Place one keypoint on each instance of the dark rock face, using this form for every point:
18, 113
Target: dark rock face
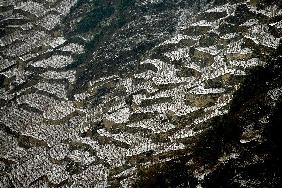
140, 93
255, 114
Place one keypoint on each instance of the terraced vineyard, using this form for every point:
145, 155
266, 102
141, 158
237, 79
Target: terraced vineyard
96, 105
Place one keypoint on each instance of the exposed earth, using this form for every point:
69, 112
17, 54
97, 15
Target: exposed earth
140, 93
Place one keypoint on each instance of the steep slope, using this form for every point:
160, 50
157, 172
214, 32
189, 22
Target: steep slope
94, 93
